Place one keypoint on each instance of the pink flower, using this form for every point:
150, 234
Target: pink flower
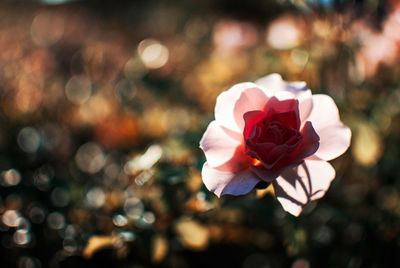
276, 132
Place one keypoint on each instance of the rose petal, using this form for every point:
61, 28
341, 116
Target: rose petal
334, 141
288, 119
305, 108
268, 153
321, 173
324, 113
226, 101
221, 183
304, 95
251, 99
298, 86
271, 157
306, 147
297, 90
265, 174
283, 106
255, 150
275, 85
310, 142
334, 136
271, 83
298, 186
251, 118
222, 151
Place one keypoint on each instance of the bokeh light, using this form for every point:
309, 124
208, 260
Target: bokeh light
90, 158
153, 54
11, 218
22, 237
60, 197
10, 177
47, 28
120, 220
133, 208
29, 262
29, 139
284, 33
95, 197
78, 89
37, 214
56, 220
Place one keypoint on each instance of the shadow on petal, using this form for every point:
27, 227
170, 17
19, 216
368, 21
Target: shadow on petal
296, 187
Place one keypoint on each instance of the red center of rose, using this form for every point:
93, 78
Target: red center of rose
273, 136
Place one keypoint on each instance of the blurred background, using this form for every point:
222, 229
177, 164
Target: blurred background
103, 104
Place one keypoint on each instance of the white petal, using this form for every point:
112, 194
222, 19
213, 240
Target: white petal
251, 99
222, 150
221, 183
334, 136
305, 108
271, 83
334, 141
325, 112
309, 181
225, 105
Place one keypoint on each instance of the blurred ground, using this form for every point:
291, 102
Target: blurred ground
102, 106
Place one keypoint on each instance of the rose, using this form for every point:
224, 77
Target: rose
276, 132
